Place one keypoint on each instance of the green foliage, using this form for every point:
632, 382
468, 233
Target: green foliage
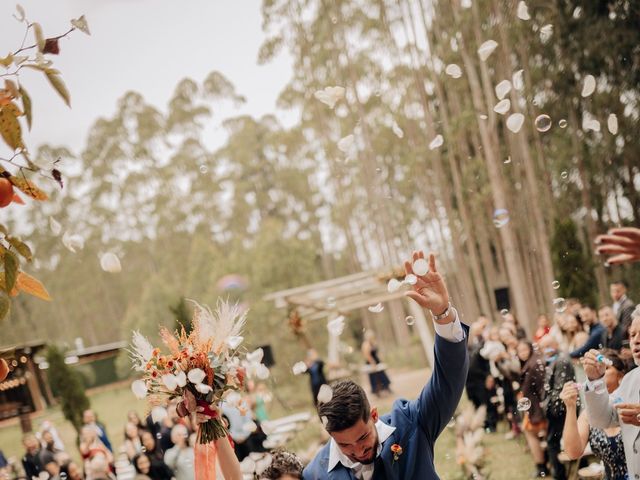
182, 314
66, 385
573, 266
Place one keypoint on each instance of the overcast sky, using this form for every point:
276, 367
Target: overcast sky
145, 46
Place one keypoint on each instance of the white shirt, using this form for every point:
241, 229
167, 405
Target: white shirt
451, 331
363, 472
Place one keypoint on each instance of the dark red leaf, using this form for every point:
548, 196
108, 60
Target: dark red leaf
57, 176
51, 46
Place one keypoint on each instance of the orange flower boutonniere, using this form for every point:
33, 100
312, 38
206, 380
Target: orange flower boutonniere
397, 451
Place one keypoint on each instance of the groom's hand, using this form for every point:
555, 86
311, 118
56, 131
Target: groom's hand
429, 292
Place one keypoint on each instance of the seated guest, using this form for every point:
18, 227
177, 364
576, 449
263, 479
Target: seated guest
613, 334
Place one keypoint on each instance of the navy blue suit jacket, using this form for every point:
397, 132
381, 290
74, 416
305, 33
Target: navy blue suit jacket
418, 422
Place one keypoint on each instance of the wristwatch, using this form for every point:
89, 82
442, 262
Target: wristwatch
444, 314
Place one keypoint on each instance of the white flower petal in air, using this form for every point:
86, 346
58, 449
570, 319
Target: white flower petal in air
377, 308
397, 130
181, 378
518, 80
465, 4
203, 388
502, 106
109, 262
393, 285
589, 86
233, 398
330, 95
486, 49
410, 279
436, 142
170, 381
73, 242
420, 267
523, 11
299, 368
325, 394
590, 123
515, 122
255, 356
336, 326
546, 31
453, 70
139, 389
234, 341
502, 89
55, 226
196, 375
346, 144
612, 124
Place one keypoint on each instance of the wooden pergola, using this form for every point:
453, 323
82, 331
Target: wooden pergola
329, 299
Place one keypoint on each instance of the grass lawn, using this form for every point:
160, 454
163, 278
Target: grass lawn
506, 459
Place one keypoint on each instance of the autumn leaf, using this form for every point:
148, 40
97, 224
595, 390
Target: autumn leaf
56, 82
28, 284
10, 126
28, 187
21, 247
11, 87
37, 32
11, 265
6, 61
26, 105
81, 24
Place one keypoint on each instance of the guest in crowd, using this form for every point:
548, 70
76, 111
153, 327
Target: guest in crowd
315, 370
158, 470
180, 457
378, 379
31, 461
622, 307
596, 330
132, 442
613, 335
89, 418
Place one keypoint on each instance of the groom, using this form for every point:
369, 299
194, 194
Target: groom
398, 445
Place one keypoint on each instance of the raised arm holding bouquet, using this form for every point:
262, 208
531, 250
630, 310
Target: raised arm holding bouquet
202, 367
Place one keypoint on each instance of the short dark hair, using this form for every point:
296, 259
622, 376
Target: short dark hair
283, 463
348, 404
621, 281
620, 362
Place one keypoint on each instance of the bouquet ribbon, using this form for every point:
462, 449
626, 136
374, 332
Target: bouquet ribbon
205, 453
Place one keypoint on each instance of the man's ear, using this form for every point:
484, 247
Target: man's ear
374, 414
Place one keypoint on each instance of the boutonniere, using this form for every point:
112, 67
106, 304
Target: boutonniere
397, 451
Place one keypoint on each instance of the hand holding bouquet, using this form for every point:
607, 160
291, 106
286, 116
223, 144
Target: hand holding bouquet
204, 365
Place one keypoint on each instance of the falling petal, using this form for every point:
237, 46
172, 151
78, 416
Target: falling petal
299, 367
486, 49
73, 242
139, 389
515, 121
502, 89
420, 267
262, 372
523, 11
377, 308
590, 123
518, 80
465, 4
255, 356
397, 130
502, 106
436, 142
325, 394
393, 285
612, 124
330, 95
410, 279
346, 144
109, 262
589, 86
546, 32
453, 70
55, 226
336, 326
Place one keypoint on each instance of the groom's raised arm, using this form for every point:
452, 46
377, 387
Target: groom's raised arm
440, 396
